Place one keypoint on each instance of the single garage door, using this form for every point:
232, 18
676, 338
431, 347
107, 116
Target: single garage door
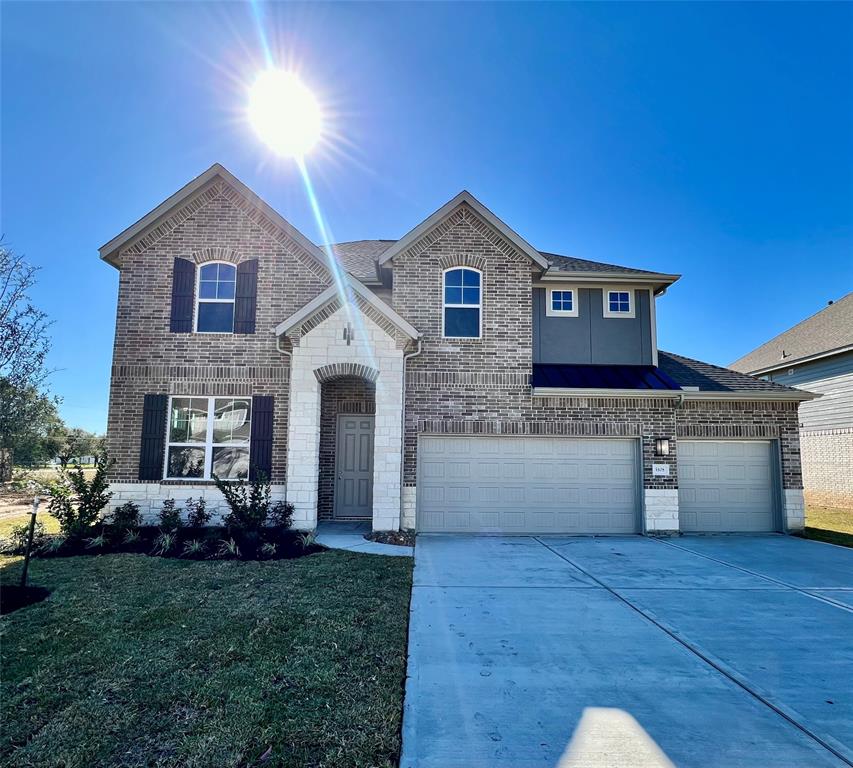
527, 485
725, 485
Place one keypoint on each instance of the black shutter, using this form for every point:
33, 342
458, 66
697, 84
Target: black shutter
245, 300
260, 448
153, 437
183, 294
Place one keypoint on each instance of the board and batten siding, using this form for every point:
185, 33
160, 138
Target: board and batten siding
831, 377
590, 338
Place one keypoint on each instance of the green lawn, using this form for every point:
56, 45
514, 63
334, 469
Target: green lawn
141, 661
828, 524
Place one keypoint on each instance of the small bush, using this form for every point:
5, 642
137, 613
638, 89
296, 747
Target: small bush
18, 535
170, 517
268, 549
307, 539
249, 503
96, 542
197, 514
164, 543
131, 536
126, 517
52, 544
228, 548
282, 514
194, 548
77, 503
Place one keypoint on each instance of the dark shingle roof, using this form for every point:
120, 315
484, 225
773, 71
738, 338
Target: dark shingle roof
712, 378
829, 329
359, 258
572, 264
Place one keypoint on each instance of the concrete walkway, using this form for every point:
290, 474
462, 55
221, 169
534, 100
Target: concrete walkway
350, 536
700, 651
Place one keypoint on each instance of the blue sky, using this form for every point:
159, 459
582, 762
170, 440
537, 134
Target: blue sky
711, 140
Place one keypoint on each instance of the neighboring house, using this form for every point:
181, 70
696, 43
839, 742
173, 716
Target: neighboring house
817, 355
456, 379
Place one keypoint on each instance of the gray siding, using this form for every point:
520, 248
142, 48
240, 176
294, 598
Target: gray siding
592, 338
831, 377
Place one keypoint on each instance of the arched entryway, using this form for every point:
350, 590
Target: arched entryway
347, 425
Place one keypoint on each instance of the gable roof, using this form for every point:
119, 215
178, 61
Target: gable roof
466, 198
827, 332
331, 294
109, 251
360, 257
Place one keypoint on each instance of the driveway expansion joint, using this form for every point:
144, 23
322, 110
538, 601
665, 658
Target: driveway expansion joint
839, 750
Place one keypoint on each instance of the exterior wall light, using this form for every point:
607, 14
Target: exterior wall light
662, 446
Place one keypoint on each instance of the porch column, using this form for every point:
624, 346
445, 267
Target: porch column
303, 440
387, 443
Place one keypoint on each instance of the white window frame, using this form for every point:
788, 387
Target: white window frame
549, 306
208, 445
632, 302
198, 299
478, 306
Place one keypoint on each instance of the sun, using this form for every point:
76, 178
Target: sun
284, 113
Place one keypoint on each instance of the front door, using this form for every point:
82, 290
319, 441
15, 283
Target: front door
354, 467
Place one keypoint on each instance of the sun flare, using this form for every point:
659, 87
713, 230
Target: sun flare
284, 113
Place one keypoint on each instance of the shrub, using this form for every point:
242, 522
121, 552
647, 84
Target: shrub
52, 544
131, 536
18, 535
228, 547
96, 542
76, 502
197, 514
164, 543
194, 547
170, 517
307, 539
282, 514
248, 503
126, 517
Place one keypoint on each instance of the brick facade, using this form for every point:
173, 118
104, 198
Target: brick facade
827, 456
455, 386
337, 396
215, 224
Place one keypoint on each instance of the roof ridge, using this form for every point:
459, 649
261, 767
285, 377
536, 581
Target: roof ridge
793, 328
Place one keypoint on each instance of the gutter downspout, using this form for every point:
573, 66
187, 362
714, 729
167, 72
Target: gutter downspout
406, 358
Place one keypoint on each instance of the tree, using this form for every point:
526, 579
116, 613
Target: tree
77, 444
25, 406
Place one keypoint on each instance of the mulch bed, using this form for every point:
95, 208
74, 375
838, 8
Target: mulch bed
288, 544
398, 538
13, 596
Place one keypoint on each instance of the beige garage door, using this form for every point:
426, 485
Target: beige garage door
527, 485
725, 486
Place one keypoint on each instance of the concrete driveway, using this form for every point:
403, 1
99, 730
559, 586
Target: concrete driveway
697, 651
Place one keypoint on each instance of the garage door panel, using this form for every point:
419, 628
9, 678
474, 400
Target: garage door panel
725, 486
536, 485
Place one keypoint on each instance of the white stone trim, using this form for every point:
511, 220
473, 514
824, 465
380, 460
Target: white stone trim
660, 510
410, 506
324, 345
793, 509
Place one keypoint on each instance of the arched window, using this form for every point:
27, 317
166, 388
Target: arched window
462, 303
217, 282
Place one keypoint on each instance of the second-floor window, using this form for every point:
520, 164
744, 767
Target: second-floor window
619, 303
462, 303
217, 284
562, 302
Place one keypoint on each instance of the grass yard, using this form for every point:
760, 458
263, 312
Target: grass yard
143, 661
829, 524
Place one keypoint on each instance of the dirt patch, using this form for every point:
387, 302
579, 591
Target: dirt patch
397, 538
13, 596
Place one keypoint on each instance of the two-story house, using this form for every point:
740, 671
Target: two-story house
456, 379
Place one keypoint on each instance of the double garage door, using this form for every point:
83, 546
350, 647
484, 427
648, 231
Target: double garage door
586, 485
527, 485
